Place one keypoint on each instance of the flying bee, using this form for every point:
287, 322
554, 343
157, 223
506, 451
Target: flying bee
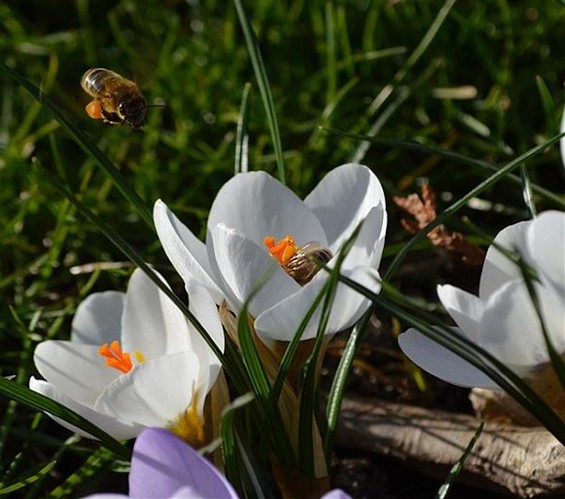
117, 100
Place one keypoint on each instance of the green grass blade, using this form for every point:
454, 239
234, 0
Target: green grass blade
261, 385
96, 462
87, 145
230, 444
63, 449
401, 97
331, 71
290, 351
458, 466
339, 382
547, 102
263, 84
308, 394
317, 140
34, 400
527, 191
24, 482
414, 57
242, 138
258, 483
345, 39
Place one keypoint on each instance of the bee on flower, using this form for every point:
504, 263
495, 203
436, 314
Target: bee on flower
256, 222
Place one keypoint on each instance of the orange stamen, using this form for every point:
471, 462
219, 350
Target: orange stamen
115, 358
282, 251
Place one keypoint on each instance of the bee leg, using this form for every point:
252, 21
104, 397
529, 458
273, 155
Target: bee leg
111, 118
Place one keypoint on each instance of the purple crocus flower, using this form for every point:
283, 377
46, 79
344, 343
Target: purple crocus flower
164, 466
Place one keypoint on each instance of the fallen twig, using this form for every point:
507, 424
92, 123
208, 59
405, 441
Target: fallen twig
522, 461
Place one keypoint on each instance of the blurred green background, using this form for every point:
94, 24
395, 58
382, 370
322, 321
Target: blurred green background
488, 84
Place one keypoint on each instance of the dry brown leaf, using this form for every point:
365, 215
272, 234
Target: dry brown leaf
423, 209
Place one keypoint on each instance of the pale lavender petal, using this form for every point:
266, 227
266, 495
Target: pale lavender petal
188, 493
256, 205
336, 494
163, 463
98, 318
441, 362
106, 496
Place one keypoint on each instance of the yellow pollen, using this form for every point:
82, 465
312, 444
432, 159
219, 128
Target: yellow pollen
189, 426
117, 359
283, 250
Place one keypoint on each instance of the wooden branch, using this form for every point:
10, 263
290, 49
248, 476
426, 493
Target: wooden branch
521, 461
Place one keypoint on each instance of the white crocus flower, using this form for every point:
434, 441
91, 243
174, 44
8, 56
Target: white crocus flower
502, 319
133, 361
255, 218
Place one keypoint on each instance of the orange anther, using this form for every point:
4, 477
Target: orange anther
282, 251
115, 358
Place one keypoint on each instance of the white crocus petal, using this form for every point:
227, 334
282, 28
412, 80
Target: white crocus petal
545, 247
465, 309
282, 321
441, 362
498, 269
349, 305
114, 427
343, 198
380, 218
98, 318
177, 335
155, 392
152, 324
76, 370
511, 329
202, 306
256, 205
366, 249
143, 321
185, 251
242, 263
